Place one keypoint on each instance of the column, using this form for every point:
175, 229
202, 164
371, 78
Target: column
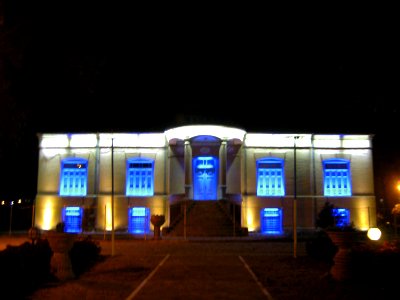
188, 169
222, 169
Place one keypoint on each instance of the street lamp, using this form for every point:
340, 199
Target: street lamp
11, 207
396, 211
374, 233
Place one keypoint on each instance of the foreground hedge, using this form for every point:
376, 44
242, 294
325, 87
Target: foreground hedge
26, 267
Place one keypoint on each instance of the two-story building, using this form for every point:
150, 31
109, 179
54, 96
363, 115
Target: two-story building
116, 181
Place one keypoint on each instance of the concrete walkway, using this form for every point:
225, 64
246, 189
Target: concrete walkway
172, 269
204, 276
237, 268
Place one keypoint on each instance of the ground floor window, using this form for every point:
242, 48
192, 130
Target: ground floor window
271, 221
341, 216
139, 220
72, 218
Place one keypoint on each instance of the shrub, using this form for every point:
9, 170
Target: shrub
24, 268
325, 217
84, 254
319, 246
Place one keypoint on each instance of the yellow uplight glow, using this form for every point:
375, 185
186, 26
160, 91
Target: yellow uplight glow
83, 140
108, 217
47, 217
278, 140
342, 141
132, 140
54, 141
250, 220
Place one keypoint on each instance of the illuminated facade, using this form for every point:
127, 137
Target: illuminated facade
266, 175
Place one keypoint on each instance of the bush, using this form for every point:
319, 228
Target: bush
27, 267
24, 268
374, 262
319, 246
84, 254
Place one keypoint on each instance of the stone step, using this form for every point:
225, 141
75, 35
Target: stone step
205, 218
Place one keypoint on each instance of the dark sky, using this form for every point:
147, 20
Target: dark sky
80, 67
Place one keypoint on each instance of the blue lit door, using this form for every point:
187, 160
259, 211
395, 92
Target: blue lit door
205, 178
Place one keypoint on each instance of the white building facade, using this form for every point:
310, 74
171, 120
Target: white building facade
116, 181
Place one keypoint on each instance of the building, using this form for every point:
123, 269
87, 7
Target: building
268, 183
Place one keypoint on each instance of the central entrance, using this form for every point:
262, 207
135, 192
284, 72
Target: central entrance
205, 179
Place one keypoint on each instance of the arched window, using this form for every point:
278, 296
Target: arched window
337, 177
139, 177
73, 177
270, 177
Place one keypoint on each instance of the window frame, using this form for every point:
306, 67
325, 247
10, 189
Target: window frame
65, 188
330, 180
267, 177
142, 175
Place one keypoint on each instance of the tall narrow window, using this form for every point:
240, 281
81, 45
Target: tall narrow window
337, 177
139, 177
271, 220
73, 177
270, 177
139, 220
72, 217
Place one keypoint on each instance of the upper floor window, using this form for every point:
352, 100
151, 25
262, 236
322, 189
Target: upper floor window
270, 177
139, 177
73, 177
337, 177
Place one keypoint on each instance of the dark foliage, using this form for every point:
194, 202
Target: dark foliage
321, 247
84, 254
24, 268
373, 263
325, 217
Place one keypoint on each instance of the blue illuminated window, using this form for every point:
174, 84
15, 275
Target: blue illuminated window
270, 177
139, 177
337, 177
341, 216
72, 217
271, 221
73, 177
139, 220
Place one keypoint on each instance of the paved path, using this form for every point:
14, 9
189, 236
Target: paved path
218, 276
207, 269
171, 270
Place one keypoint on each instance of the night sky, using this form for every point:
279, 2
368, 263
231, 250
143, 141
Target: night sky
72, 67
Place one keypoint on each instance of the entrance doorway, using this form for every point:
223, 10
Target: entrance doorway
205, 178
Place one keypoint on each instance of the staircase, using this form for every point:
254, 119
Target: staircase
204, 219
